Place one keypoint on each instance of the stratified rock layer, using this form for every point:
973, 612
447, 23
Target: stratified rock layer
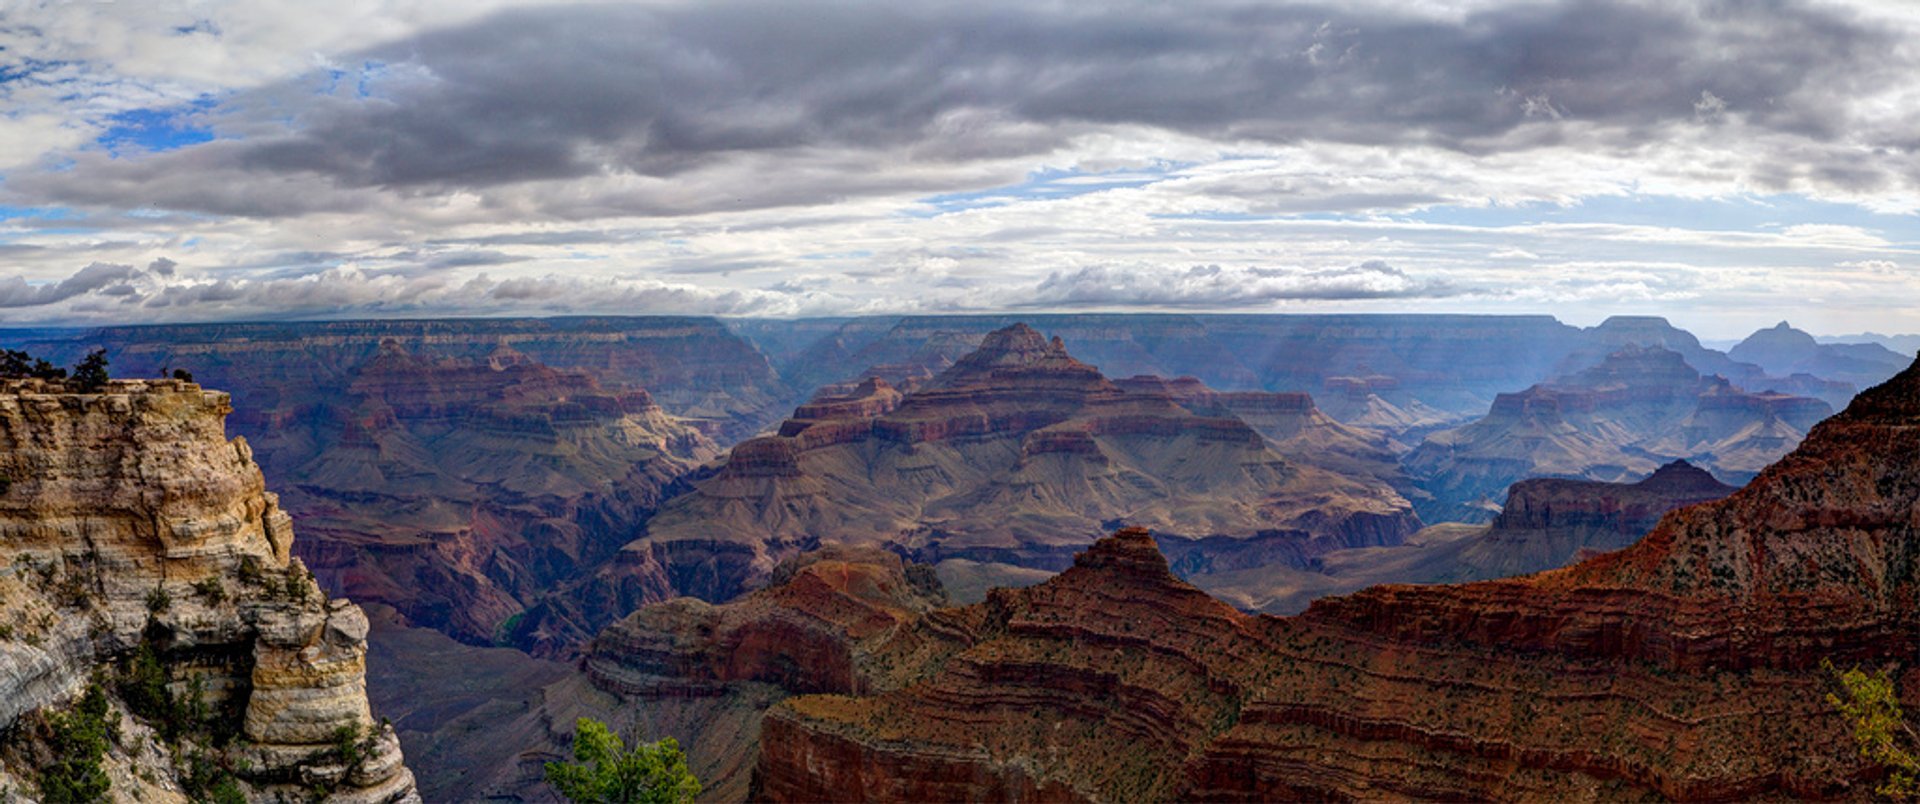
1614, 422
127, 519
1687, 666
1547, 523
1017, 454
458, 491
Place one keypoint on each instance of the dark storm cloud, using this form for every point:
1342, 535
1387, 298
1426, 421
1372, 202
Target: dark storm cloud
814, 102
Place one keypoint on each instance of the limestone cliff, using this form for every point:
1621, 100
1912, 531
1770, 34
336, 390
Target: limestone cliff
139, 546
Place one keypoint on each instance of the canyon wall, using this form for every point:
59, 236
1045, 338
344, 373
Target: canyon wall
1687, 666
136, 538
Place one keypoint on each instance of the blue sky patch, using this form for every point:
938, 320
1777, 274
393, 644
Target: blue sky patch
1047, 184
155, 130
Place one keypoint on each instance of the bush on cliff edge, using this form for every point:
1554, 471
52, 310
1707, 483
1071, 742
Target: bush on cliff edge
607, 773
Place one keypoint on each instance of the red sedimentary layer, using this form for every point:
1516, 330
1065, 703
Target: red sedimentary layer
1686, 667
803, 633
1018, 453
458, 490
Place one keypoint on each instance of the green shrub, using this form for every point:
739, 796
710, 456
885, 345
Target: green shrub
79, 742
210, 590
158, 600
655, 773
1880, 730
90, 374
208, 780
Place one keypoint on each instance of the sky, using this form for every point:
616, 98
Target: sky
1724, 164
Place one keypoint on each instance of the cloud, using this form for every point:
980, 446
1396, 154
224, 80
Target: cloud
1214, 286
15, 292
860, 98
103, 291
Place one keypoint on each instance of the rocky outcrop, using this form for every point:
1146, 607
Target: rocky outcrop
130, 525
460, 491
1616, 421
1547, 523
1443, 362
1094, 685
805, 632
1017, 454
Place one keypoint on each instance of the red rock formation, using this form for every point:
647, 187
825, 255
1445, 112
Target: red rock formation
458, 491
805, 632
1017, 453
1685, 667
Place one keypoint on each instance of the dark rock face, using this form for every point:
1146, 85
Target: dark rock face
1016, 454
1613, 422
803, 633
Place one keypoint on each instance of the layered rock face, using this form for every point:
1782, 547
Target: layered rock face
694, 367
1098, 684
805, 632
459, 491
1616, 421
1547, 523
1291, 422
1017, 454
1357, 401
1784, 351
817, 627
130, 524
1687, 666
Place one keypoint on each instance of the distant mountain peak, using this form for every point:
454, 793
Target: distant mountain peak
1019, 348
1681, 475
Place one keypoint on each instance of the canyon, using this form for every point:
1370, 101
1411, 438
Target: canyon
1686, 666
1017, 454
1545, 523
569, 487
1618, 420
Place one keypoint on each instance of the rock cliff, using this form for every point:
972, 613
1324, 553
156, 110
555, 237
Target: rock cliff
459, 491
1547, 523
1615, 421
1291, 422
1686, 666
141, 552
1017, 454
